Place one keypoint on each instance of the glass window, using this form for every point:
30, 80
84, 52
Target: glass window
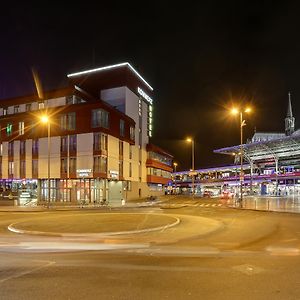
63, 165
100, 164
34, 168
35, 147
121, 148
73, 143
10, 148
41, 105
100, 118
21, 128
28, 107
122, 128
130, 151
64, 144
22, 147
16, 109
100, 141
68, 121
9, 128
130, 169
132, 133
72, 166
22, 168
121, 168
11, 168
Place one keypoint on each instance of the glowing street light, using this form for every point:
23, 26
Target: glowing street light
46, 120
236, 111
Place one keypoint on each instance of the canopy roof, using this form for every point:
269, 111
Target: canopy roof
287, 147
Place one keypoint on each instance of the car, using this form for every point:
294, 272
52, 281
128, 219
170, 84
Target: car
207, 194
226, 194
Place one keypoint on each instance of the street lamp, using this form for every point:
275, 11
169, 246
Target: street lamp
190, 140
175, 164
236, 111
46, 120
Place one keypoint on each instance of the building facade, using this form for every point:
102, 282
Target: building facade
99, 130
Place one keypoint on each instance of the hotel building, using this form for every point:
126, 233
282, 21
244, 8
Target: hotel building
99, 130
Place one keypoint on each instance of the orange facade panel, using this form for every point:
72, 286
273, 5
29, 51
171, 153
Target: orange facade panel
155, 164
157, 179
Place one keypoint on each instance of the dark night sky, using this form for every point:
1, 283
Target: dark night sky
199, 58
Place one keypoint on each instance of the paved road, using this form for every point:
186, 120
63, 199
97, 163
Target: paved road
253, 255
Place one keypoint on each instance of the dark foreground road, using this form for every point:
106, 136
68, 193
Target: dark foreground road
251, 255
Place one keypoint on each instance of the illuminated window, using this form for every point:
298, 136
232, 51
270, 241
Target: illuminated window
9, 129
41, 105
4, 111
21, 128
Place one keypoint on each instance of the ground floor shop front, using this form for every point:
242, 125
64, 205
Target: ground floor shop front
86, 191
270, 187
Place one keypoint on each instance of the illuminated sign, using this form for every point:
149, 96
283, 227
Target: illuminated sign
82, 173
145, 96
114, 174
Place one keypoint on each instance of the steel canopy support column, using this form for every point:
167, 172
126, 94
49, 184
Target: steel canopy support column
276, 171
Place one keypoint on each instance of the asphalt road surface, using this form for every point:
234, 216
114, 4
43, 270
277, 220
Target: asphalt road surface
215, 252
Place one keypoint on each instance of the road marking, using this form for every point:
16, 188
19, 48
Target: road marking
20, 274
283, 251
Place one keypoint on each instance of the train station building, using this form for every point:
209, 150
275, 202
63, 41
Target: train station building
271, 166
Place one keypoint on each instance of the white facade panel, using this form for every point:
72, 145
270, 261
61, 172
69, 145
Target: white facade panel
10, 110
85, 151
28, 158
5, 160
113, 155
16, 159
22, 108
55, 102
54, 157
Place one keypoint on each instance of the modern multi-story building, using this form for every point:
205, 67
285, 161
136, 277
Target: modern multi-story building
271, 165
99, 130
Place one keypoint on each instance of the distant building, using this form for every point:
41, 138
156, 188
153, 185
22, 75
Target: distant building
101, 125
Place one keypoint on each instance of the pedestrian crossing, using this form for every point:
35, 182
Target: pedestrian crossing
193, 204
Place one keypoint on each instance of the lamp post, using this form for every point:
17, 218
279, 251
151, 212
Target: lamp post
175, 164
236, 111
190, 140
45, 119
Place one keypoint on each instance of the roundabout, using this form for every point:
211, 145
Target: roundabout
95, 224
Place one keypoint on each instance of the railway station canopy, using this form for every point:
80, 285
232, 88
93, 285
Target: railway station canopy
280, 149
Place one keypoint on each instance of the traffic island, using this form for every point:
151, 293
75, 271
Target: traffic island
95, 225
